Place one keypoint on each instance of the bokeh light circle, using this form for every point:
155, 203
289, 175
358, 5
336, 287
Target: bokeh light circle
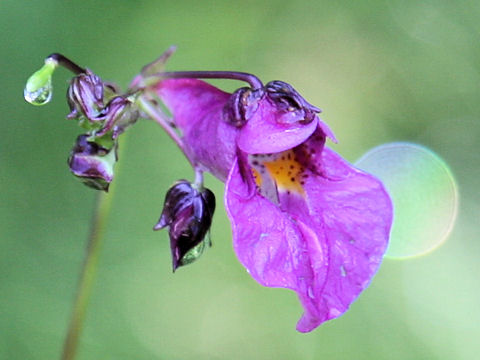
424, 195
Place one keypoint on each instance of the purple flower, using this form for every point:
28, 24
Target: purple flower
302, 217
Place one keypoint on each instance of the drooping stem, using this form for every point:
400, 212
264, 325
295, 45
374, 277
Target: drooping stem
251, 79
66, 63
88, 274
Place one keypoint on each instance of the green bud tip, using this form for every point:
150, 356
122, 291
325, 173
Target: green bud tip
38, 90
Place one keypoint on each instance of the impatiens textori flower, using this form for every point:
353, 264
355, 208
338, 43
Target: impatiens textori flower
302, 217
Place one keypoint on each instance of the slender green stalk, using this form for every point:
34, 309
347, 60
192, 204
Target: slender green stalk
90, 262
87, 276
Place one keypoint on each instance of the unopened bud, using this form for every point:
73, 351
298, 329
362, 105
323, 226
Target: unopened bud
290, 102
188, 213
242, 105
85, 96
119, 114
92, 163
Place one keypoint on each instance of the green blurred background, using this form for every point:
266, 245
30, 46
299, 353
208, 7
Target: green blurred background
381, 70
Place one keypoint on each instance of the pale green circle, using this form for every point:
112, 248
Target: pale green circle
424, 195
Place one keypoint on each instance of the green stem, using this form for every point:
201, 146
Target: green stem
90, 262
87, 276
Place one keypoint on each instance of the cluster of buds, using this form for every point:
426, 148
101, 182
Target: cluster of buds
103, 114
100, 111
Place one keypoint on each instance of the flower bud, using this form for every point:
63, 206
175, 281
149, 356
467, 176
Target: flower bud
92, 163
85, 96
119, 113
188, 213
242, 105
289, 101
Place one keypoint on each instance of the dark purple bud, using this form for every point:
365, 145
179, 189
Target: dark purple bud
188, 213
242, 105
289, 101
119, 113
85, 96
92, 163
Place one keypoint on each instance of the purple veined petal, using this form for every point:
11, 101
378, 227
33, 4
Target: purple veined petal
197, 109
355, 213
312, 298
277, 250
325, 244
264, 133
264, 238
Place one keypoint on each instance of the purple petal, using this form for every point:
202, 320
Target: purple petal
197, 109
264, 238
267, 131
271, 244
326, 245
354, 211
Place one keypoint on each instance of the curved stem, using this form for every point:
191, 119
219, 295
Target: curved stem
251, 79
87, 276
66, 63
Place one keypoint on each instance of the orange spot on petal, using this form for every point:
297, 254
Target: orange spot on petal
286, 180
257, 176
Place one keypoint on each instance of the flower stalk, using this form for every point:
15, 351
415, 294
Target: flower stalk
251, 79
87, 275
68, 64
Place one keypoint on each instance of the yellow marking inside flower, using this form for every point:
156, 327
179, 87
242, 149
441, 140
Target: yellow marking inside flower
286, 172
257, 176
